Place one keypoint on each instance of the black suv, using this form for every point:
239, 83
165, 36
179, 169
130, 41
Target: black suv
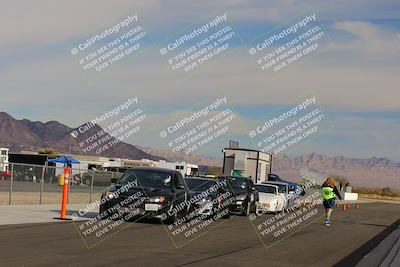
246, 196
147, 192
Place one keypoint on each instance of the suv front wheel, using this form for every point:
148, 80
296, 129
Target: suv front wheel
247, 210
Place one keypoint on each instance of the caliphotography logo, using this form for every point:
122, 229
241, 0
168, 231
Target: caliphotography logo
286, 129
291, 43
101, 50
106, 132
200, 43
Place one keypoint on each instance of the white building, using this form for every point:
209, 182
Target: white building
247, 163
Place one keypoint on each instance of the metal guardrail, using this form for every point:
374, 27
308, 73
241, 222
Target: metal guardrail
38, 184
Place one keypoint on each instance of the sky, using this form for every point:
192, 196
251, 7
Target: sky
355, 77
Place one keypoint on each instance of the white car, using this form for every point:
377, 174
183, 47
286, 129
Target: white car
290, 197
270, 200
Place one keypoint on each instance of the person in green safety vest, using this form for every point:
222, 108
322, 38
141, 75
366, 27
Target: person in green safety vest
329, 194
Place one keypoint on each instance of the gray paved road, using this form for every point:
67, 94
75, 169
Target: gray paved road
234, 243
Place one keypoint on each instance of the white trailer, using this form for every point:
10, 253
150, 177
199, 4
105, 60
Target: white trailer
186, 169
128, 163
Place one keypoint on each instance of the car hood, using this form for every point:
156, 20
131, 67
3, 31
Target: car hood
196, 193
265, 197
240, 192
147, 191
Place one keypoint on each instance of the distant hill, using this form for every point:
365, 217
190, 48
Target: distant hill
24, 134
372, 172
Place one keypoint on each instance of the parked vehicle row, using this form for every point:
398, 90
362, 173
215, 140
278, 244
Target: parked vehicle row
165, 194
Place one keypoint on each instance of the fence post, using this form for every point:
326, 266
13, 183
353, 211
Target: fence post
11, 184
41, 184
69, 182
91, 188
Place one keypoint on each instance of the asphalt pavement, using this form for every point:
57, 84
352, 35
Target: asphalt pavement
235, 242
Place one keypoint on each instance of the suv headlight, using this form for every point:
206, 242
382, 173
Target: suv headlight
241, 197
205, 199
158, 199
110, 195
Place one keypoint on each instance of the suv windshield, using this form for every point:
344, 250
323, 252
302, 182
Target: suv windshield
266, 189
199, 185
236, 183
146, 178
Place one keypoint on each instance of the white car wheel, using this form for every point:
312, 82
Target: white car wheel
257, 209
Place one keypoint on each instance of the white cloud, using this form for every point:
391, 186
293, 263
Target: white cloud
47, 21
48, 81
371, 40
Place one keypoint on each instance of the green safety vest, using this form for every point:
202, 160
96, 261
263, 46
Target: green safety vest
327, 193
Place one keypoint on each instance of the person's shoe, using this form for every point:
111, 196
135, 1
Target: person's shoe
327, 223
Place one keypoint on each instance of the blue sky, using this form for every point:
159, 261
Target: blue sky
356, 79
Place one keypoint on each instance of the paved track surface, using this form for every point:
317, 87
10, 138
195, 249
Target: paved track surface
234, 243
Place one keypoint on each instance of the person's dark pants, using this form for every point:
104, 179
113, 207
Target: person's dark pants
329, 203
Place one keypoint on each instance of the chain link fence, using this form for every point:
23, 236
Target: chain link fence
27, 184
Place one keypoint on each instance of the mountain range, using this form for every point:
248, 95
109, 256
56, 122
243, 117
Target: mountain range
24, 134
372, 172
29, 135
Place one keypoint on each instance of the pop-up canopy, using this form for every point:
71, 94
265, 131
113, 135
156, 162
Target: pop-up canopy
64, 159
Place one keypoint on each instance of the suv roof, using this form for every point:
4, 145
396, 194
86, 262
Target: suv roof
273, 182
200, 178
232, 177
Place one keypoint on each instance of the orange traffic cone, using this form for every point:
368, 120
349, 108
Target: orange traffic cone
344, 207
357, 206
337, 204
348, 205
